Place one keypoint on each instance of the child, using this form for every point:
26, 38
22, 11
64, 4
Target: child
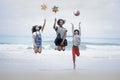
60, 40
37, 39
76, 43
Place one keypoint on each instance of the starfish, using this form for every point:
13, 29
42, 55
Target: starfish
43, 7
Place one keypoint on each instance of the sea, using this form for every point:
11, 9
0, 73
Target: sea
17, 54
48, 42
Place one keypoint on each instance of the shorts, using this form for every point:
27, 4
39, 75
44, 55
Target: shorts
59, 41
75, 51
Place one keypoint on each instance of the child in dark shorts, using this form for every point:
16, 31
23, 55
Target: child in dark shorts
60, 41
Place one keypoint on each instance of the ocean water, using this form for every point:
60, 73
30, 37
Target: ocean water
48, 42
16, 54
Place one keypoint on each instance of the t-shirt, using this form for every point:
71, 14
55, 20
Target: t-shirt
76, 40
61, 30
34, 34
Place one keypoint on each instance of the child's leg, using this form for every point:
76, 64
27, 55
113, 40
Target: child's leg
39, 50
63, 48
64, 44
73, 56
59, 48
74, 66
35, 50
77, 52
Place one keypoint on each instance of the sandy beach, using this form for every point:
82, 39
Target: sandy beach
22, 64
62, 75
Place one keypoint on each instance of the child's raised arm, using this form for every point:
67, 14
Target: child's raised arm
44, 24
54, 26
72, 28
79, 29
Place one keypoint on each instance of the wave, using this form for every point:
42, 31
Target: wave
114, 44
29, 47
50, 45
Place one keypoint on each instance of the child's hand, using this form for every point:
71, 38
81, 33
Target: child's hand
61, 43
55, 19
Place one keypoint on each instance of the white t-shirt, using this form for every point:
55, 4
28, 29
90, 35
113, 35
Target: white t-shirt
34, 34
61, 30
76, 40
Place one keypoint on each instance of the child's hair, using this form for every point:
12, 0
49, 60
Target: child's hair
58, 22
77, 31
34, 28
40, 27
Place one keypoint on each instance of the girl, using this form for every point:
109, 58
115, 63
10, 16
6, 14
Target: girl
60, 40
76, 43
37, 39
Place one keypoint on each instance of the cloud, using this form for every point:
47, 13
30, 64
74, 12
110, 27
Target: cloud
97, 16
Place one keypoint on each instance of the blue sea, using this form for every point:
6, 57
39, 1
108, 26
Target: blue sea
48, 42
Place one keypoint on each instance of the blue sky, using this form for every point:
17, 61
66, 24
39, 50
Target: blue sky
99, 18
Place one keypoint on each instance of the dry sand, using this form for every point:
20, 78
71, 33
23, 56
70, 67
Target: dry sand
62, 75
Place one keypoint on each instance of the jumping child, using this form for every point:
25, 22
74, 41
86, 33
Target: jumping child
60, 40
37, 38
76, 43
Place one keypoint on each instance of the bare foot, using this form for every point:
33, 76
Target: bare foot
63, 48
40, 52
59, 48
35, 52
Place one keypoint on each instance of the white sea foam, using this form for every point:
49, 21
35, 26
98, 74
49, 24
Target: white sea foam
49, 46
22, 57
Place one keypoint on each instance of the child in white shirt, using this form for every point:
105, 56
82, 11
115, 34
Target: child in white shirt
76, 43
37, 38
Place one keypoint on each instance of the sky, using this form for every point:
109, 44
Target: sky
99, 18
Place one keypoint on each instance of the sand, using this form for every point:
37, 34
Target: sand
54, 65
62, 75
